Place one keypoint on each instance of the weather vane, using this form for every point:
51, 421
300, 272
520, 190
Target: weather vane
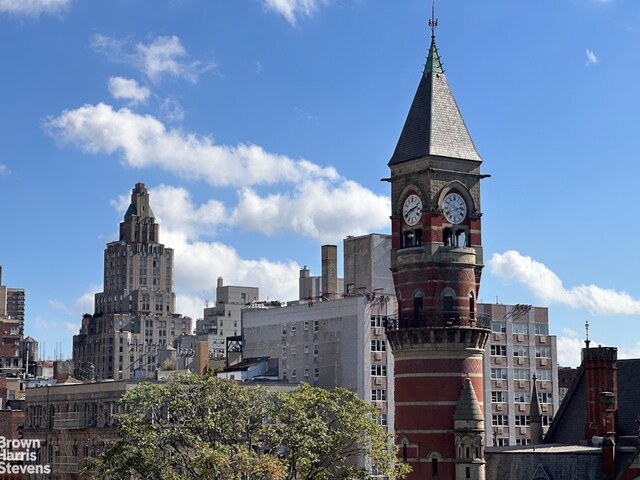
433, 22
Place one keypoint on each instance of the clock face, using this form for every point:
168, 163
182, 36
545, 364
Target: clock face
454, 208
412, 210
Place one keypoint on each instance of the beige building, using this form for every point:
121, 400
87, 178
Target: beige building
134, 321
519, 347
225, 318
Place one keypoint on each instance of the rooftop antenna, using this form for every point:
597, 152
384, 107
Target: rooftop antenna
586, 327
433, 22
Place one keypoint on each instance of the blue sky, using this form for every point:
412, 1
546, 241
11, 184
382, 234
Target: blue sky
263, 128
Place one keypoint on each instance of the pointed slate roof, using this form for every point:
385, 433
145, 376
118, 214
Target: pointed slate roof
468, 408
535, 412
434, 125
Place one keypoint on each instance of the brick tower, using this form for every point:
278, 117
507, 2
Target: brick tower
438, 338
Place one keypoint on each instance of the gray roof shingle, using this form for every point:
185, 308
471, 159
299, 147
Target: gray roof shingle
434, 125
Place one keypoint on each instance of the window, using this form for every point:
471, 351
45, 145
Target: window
520, 328
306, 372
376, 321
522, 397
378, 346
541, 329
502, 442
284, 352
521, 374
498, 373
316, 372
284, 329
293, 373
523, 441
293, 349
543, 352
447, 305
315, 350
378, 370
378, 395
381, 419
412, 238
306, 325
499, 350
544, 375
499, 397
545, 397
521, 420
546, 420
434, 466
306, 349
315, 325
293, 328
498, 327
499, 420
520, 351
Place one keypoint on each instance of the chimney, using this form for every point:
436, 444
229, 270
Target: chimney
220, 283
600, 370
202, 358
329, 270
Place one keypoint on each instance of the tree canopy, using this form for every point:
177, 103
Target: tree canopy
205, 427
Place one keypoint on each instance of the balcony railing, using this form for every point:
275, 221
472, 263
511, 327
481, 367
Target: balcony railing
438, 320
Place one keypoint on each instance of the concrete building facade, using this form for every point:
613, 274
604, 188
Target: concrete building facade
225, 318
134, 321
518, 348
338, 342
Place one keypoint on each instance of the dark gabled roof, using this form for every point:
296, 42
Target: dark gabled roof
434, 125
568, 426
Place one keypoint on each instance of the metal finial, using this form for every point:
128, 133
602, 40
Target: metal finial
586, 327
433, 22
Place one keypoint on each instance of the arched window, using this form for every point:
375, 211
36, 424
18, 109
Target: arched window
447, 304
434, 466
472, 306
418, 304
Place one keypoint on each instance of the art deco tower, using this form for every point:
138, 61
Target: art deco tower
134, 324
138, 269
438, 340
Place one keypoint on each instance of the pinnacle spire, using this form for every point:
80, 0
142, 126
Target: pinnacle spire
434, 125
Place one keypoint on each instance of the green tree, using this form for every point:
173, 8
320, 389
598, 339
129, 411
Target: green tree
203, 427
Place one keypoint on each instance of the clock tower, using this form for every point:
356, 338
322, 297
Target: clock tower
438, 338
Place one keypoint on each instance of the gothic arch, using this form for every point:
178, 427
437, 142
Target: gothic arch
461, 188
406, 191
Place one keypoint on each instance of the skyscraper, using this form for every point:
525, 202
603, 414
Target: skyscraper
134, 317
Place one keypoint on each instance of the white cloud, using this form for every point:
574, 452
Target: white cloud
128, 89
171, 110
311, 211
591, 58
569, 348
146, 142
291, 10
162, 56
201, 263
631, 352
33, 7
548, 287
3, 169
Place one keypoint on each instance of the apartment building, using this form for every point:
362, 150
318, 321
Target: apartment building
519, 347
340, 341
